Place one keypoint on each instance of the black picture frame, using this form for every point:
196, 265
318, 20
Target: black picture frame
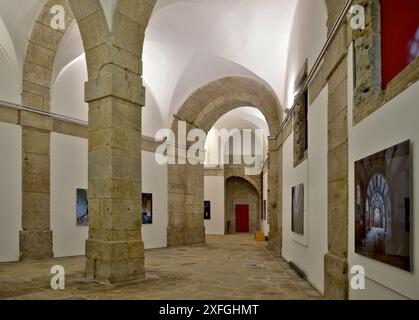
147, 208
207, 210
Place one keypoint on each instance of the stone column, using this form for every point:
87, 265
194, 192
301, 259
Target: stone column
336, 260
176, 205
185, 202
274, 206
43, 43
115, 250
195, 229
36, 236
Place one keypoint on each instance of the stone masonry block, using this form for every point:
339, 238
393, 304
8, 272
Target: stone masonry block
34, 100
37, 121
35, 244
338, 100
35, 211
96, 36
338, 163
118, 83
119, 214
138, 11
336, 277
338, 130
40, 55
45, 36
34, 141
36, 163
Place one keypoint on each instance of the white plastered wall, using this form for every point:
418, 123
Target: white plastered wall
68, 173
307, 251
154, 180
214, 192
10, 191
393, 123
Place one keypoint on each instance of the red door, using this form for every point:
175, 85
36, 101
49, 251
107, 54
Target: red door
242, 218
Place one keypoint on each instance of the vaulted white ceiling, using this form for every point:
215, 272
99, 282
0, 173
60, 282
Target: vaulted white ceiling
192, 42
188, 44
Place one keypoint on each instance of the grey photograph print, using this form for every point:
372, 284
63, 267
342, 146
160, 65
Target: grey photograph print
297, 223
382, 206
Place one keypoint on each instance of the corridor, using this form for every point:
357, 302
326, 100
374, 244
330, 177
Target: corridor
227, 267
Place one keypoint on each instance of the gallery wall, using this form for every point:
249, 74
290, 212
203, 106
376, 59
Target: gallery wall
392, 124
264, 223
10, 191
154, 181
307, 251
308, 35
214, 192
68, 173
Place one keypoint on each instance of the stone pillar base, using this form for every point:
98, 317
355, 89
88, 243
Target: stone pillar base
35, 244
195, 236
180, 236
336, 279
275, 243
175, 236
115, 261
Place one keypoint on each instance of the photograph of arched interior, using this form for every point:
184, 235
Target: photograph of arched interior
382, 217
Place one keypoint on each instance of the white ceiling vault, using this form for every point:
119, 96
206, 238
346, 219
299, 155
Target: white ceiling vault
192, 42
188, 44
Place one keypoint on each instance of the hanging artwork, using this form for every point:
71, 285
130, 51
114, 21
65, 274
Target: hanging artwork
207, 210
382, 206
147, 208
82, 210
297, 224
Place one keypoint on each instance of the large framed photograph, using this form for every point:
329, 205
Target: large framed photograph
82, 208
147, 208
297, 223
207, 210
383, 206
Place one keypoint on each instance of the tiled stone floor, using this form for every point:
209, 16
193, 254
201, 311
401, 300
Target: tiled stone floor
228, 267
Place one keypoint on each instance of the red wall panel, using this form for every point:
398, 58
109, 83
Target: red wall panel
399, 36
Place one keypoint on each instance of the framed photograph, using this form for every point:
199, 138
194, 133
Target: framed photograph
207, 210
382, 206
147, 208
297, 223
82, 208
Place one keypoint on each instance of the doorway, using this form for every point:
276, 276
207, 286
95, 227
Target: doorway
242, 218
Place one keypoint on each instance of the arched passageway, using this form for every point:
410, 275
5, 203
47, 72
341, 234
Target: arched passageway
186, 182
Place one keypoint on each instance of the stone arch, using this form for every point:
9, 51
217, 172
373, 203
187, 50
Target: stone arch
232, 171
186, 182
115, 95
207, 104
42, 47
